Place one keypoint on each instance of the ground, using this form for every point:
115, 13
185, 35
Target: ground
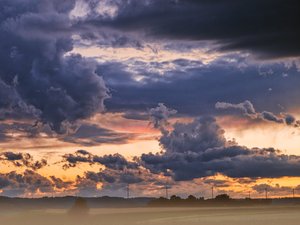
156, 216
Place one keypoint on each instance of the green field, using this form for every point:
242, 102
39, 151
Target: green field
157, 216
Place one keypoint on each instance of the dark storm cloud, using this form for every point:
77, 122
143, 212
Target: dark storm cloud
114, 162
113, 182
199, 149
275, 189
271, 117
59, 183
29, 182
16, 184
83, 134
100, 177
195, 90
108, 38
248, 109
194, 150
3, 182
291, 120
23, 130
111, 176
159, 116
39, 81
89, 135
71, 160
10, 156
202, 133
23, 160
134, 115
268, 28
117, 174
130, 178
36, 77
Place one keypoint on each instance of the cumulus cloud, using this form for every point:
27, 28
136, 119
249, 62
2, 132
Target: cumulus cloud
15, 184
39, 78
29, 183
23, 160
159, 116
80, 156
192, 150
195, 150
113, 178
59, 183
201, 134
43, 82
115, 161
246, 107
248, 110
275, 189
199, 149
115, 182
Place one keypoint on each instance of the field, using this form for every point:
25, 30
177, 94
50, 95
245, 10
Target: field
156, 216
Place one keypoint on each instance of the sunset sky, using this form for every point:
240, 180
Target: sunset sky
188, 94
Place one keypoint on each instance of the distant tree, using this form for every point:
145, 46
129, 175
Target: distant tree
201, 199
175, 198
162, 198
223, 197
161, 201
191, 198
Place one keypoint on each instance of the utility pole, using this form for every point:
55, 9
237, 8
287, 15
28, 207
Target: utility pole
167, 194
266, 191
293, 192
212, 192
128, 190
125, 171
249, 195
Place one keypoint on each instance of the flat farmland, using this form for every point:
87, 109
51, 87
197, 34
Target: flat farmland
156, 216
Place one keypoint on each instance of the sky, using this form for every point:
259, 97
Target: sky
96, 95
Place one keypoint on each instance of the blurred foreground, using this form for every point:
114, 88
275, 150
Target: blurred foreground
259, 215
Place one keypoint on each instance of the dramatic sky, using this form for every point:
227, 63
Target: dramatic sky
188, 94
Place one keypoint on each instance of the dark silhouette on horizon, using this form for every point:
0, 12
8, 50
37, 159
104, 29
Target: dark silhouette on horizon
81, 205
219, 200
